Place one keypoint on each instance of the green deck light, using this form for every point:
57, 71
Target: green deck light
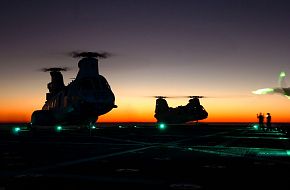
162, 126
58, 128
256, 126
16, 130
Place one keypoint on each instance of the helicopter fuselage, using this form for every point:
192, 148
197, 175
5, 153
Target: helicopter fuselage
80, 102
193, 111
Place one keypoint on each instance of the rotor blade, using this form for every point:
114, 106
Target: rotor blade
55, 69
219, 97
188, 97
178, 96
156, 96
197, 97
76, 54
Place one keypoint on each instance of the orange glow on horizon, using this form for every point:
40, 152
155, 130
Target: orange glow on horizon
20, 117
142, 109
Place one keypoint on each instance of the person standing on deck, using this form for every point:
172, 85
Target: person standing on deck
268, 124
261, 120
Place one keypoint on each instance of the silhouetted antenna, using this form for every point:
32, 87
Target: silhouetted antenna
55, 69
89, 54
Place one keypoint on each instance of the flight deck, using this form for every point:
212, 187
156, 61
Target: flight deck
145, 156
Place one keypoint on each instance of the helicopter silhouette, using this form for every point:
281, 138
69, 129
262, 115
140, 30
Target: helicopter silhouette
283, 90
80, 102
193, 111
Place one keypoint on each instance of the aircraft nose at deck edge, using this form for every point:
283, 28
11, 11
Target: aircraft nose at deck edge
282, 89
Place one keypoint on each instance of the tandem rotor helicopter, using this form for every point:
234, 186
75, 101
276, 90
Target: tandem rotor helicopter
193, 111
82, 100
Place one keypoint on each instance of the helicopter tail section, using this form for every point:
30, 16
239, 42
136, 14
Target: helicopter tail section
161, 106
56, 85
162, 110
88, 67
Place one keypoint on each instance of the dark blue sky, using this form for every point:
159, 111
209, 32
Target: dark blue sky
203, 30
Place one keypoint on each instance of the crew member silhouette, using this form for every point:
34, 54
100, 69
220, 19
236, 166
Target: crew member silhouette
261, 120
268, 117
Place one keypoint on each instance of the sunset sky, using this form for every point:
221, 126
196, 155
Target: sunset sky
223, 49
